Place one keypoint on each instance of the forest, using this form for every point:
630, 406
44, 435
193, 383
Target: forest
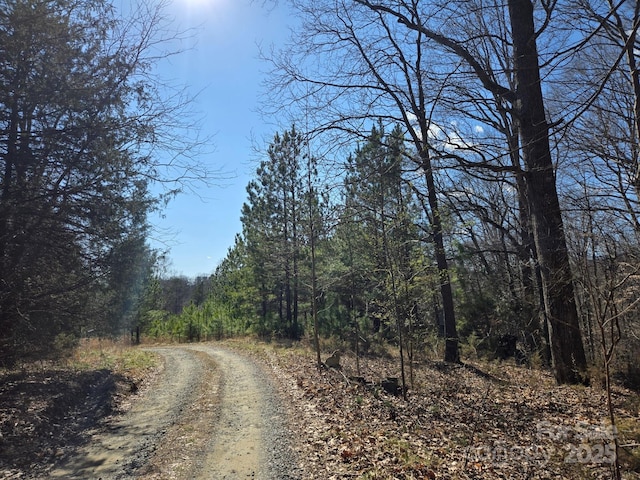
460, 179
455, 177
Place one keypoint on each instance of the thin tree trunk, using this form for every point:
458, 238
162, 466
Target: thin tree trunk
531, 278
451, 352
5, 198
295, 251
314, 281
314, 295
396, 305
629, 37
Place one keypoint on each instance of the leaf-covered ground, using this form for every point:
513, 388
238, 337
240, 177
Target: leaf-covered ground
481, 420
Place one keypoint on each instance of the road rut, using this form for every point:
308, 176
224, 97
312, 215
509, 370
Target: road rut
213, 414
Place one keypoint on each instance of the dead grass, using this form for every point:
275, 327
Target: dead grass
481, 420
119, 356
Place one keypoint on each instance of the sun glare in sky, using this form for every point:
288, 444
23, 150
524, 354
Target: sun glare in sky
203, 6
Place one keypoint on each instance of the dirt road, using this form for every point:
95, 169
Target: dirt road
212, 414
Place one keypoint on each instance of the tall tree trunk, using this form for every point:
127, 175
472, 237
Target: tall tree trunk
531, 279
7, 182
567, 351
451, 352
391, 266
295, 249
286, 248
629, 38
312, 245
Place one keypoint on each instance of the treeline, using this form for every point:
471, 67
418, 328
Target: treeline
365, 246
180, 309
84, 131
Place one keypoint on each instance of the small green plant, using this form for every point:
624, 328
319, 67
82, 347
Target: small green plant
434, 346
536, 361
469, 348
407, 455
64, 344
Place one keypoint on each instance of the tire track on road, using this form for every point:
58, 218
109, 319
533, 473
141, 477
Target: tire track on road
212, 414
126, 442
238, 447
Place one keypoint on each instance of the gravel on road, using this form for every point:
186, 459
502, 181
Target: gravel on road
211, 414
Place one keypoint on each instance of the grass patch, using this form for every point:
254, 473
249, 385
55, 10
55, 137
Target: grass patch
117, 356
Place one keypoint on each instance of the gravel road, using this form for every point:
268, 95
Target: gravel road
212, 414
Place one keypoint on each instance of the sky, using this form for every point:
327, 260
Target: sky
222, 67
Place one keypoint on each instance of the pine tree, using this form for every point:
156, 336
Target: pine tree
272, 230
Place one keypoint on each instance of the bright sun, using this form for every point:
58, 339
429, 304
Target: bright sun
208, 5
198, 11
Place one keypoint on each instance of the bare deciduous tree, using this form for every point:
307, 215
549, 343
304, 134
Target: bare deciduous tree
394, 60
351, 66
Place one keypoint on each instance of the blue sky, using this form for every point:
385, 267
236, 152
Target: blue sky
223, 68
